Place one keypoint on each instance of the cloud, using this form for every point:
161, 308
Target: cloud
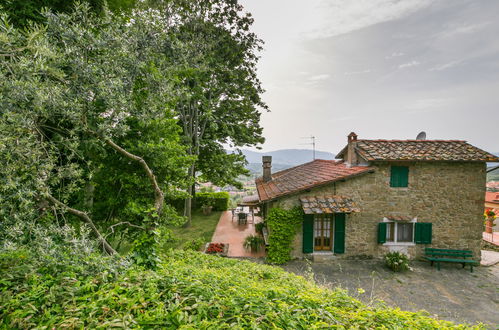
445, 66
319, 77
428, 104
343, 16
409, 64
393, 55
453, 29
350, 73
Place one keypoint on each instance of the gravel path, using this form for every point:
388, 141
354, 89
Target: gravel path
452, 294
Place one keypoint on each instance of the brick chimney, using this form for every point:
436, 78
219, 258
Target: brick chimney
351, 155
267, 168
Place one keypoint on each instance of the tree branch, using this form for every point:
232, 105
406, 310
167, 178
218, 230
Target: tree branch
123, 223
82, 215
158, 193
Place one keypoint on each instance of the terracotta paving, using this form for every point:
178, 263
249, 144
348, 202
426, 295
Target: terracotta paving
229, 231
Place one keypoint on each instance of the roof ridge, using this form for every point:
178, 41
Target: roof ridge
409, 140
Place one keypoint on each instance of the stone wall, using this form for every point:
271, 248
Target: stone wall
449, 195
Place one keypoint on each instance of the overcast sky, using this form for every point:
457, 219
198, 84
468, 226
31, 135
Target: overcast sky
382, 68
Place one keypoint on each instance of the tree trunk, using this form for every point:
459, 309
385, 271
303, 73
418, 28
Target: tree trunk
188, 200
83, 216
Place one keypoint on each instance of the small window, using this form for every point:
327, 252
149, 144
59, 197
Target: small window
399, 176
398, 232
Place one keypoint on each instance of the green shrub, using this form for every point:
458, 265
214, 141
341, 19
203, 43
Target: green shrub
397, 261
194, 244
253, 243
282, 226
189, 290
219, 200
259, 227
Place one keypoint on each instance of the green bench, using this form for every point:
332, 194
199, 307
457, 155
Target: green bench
449, 255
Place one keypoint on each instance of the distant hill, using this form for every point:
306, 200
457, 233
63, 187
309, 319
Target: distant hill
290, 157
282, 159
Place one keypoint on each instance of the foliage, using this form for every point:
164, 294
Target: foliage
397, 261
282, 226
194, 244
253, 243
189, 290
489, 213
21, 13
219, 200
68, 92
202, 227
53, 250
259, 227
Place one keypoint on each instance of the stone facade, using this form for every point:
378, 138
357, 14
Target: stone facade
450, 195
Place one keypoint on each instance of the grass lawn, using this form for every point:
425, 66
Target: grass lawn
202, 226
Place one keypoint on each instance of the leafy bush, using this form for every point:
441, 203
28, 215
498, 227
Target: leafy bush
194, 244
189, 290
282, 225
259, 227
397, 261
219, 200
253, 243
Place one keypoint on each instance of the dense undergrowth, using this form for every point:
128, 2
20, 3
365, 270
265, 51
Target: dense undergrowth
188, 290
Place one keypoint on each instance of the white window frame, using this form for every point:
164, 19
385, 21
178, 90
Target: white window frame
413, 221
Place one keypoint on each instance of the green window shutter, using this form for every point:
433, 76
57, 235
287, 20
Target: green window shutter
423, 233
382, 232
339, 233
308, 233
399, 176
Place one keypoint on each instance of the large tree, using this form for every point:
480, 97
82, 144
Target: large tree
218, 92
83, 98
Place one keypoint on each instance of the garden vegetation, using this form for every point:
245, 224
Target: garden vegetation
52, 284
107, 118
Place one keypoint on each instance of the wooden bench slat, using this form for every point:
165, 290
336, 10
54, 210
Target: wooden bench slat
452, 260
447, 250
449, 255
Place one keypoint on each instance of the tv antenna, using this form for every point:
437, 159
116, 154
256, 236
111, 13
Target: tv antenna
312, 143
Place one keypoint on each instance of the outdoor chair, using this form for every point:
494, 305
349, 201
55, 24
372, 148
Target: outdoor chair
242, 218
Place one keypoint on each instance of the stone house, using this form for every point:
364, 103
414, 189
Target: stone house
384, 195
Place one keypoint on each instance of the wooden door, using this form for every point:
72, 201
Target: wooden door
323, 232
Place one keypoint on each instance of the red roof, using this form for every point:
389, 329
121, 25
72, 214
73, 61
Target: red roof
420, 150
306, 176
492, 197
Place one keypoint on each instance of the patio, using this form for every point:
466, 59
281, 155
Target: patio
230, 231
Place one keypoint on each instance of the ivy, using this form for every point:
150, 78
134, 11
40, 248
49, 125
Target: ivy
282, 224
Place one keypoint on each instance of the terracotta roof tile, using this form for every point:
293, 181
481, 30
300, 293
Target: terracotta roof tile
492, 197
420, 150
305, 176
328, 204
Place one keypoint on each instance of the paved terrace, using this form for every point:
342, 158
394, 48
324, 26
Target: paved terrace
229, 231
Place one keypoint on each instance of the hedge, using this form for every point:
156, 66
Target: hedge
189, 291
219, 200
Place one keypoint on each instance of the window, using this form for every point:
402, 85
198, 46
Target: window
399, 176
404, 232
399, 232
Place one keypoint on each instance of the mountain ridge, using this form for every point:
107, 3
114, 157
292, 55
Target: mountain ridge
291, 157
